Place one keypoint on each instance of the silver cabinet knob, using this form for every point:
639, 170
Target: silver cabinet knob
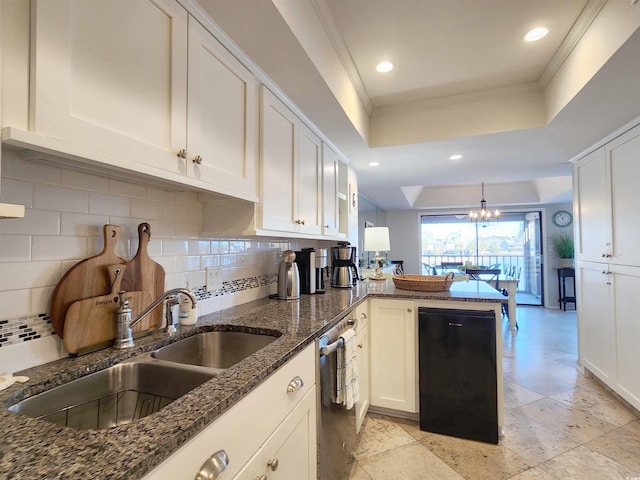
326, 226
300, 222
213, 466
295, 384
182, 153
197, 160
363, 316
261, 477
273, 464
359, 345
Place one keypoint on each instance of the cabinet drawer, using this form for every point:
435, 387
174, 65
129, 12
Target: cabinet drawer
244, 428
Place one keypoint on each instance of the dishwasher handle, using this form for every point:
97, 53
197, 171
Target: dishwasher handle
332, 347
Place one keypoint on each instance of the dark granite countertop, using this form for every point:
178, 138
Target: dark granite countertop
32, 448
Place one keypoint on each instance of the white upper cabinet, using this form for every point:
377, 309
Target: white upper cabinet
291, 166
330, 168
143, 86
111, 76
593, 230
222, 129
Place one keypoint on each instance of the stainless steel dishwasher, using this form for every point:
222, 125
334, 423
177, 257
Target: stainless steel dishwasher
337, 438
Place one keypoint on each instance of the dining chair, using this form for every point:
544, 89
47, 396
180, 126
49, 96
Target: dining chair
489, 275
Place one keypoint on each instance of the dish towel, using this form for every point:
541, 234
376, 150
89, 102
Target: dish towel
347, 381
7, 379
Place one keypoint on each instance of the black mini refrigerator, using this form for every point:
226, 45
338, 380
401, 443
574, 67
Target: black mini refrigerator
457, 370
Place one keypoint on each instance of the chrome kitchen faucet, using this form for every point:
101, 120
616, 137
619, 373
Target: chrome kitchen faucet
124, 323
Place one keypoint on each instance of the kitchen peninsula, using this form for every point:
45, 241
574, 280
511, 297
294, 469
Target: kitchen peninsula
35, 448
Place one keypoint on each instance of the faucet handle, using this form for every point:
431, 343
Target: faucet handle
170, 302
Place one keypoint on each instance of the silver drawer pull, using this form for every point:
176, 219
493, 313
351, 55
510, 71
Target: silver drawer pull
295, 384
273, 464
213, 466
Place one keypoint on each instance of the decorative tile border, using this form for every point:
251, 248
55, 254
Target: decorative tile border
23, 329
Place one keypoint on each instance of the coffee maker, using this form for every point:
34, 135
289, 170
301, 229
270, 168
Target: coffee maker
306, 260
321, 268
344, 272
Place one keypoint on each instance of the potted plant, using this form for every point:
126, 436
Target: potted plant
562, 244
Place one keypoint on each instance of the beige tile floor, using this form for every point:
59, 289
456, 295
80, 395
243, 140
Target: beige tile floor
559, 425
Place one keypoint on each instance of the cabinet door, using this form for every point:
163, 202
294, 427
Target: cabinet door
393, 355
626, 285
623, 154
362, 405
596, 322
111, 76
593, 229
279, 148
330, 217
309, 182
291, 452
222, 118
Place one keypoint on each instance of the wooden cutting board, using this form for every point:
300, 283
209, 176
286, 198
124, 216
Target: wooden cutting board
144, 275
85, 279
92, 321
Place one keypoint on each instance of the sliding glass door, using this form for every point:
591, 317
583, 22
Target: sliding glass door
513, 244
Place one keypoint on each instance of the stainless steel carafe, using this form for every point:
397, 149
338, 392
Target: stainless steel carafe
344, 272
288, 277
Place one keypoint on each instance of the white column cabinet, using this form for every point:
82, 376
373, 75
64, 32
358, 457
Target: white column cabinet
393, 331
362, 333
608, 266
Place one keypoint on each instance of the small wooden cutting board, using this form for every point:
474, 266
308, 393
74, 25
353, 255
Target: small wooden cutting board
91, 321
85, 279
143, 274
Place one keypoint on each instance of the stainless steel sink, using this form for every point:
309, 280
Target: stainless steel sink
117, 395
216, 350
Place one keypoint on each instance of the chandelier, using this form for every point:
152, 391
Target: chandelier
484, 217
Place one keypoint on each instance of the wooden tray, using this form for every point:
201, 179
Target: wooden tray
424, 283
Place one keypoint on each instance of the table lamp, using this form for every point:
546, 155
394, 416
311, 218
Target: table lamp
376, 239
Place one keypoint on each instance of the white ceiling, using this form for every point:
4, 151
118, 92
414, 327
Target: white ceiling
464, 82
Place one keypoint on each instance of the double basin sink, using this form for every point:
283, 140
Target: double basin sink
138, 387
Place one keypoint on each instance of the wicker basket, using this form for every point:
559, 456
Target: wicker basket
424, 283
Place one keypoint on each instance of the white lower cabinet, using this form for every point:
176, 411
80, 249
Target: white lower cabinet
393, 341
608, 325
362, 333
268, 424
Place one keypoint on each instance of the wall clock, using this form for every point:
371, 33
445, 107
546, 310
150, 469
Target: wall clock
562, 218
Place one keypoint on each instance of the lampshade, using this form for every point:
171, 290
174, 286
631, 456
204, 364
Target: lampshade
376, 239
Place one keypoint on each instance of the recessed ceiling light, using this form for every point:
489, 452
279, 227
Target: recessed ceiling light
536, 34
455, 157
385, 66
374, 164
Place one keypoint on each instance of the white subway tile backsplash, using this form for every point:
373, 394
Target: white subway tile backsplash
223, 247
15, 303
40, 300
188, 199
59, 248
146, 209
175, 213
188, 263
51, 197
35, 222
188, 230
84, 181
198, 247
109, 204
16, 191
195, 215
125, 189
209, 261
14, 166
15, 248
164, 229
161, 195
20, 275
82, 224
229, 259
236, 246
175, 247
170, 264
